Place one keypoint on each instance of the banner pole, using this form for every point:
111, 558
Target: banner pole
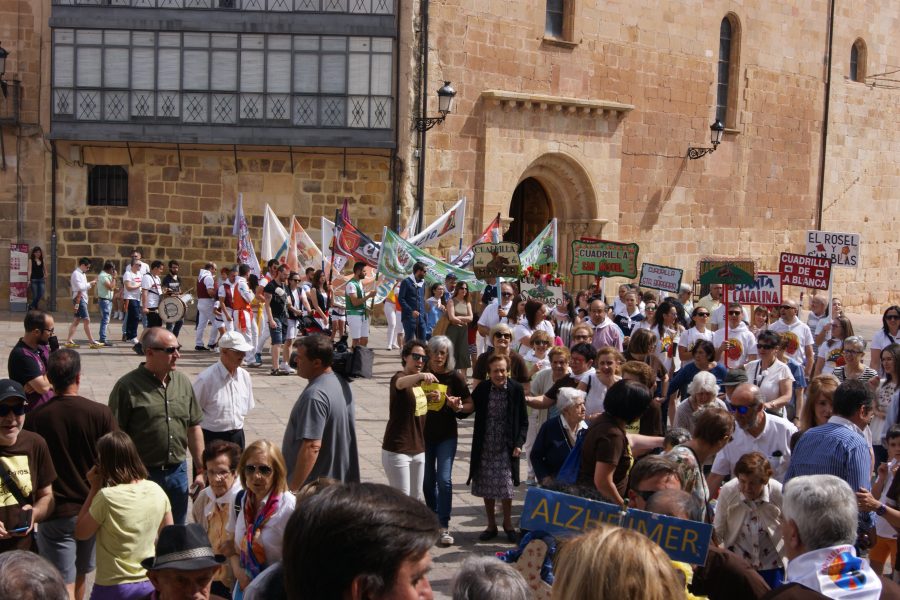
725, 318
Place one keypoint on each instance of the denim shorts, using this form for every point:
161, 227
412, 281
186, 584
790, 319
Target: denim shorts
81, 309
56, 542
278, 332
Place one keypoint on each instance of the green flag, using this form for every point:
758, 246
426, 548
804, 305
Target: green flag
398, 255
542, 250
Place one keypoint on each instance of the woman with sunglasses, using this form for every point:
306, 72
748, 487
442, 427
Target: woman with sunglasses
125, 510
772, 376
887, 335
712, 430
535, 320
445, 398
459, 313
693, 334
403, 447
501, 339
831, 352
501, 425
854, 349
265, 508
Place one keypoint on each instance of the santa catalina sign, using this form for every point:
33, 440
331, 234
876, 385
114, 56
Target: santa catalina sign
604, 259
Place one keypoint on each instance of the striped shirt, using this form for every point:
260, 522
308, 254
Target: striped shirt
834, 449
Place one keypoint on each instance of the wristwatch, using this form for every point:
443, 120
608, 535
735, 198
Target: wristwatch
881, 510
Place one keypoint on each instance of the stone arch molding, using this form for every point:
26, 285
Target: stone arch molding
567, 183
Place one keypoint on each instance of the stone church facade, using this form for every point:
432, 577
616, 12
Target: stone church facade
138, 122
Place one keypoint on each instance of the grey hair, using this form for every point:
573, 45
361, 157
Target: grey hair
442, 342
567, 397
27, 576
486, 578
855, 340
704, 381
824, 509
670, 502
754, 391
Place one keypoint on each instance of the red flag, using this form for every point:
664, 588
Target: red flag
352, 242
491, 234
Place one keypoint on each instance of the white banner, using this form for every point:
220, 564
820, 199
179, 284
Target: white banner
764, 291
274, 237
658, 277
450, 223
842, 249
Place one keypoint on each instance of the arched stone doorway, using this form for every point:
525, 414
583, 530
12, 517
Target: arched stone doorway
530, 210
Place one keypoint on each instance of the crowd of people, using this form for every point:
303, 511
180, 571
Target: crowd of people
770, 429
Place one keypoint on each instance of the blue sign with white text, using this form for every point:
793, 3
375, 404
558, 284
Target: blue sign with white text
562, 514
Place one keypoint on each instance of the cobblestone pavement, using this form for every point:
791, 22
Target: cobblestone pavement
276, 395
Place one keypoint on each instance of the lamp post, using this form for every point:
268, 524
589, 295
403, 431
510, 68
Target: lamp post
716, 130
446, 94
3, 54
422, 125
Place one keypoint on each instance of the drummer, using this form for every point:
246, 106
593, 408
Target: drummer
171, 286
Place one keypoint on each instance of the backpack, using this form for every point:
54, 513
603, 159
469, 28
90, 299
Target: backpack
568, 473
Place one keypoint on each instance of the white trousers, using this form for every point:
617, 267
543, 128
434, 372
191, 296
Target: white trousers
205, 317
536, 418
405, 472
393, 322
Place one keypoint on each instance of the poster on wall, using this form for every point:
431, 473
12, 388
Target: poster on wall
18, 277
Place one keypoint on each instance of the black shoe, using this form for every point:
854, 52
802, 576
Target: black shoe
511, 535
138, 349
201, 348
488, 534
124, 337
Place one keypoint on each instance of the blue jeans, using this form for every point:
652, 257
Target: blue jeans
438, 485
413, 329
37, 291
174, 482
132, 319
105, 310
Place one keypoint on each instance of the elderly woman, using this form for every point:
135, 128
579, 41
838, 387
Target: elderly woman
712, 430
557, 436
772, 376
606, 456
581, 334
265, 508
403, 446
501, 424
854, 350
702, 391
703, 354
748, 517
214, 506
445, 398
501, 339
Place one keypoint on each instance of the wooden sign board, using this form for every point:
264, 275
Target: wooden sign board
496, 260
551, 295
604, 259
842, 249
727, 271
658, 277
805, 271
764, 291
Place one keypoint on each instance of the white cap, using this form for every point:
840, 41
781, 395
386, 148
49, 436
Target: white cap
232, 340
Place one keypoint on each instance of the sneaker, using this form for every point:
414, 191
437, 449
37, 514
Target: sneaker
138, 349
201, 348
258, 358
277, 372
70, 345
95, 346
286, 370
253, 364
446, 539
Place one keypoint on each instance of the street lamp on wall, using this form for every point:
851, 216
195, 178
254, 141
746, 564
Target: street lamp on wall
3, 54
716, 130
445, 106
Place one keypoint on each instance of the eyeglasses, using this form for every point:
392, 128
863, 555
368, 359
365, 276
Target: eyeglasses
892, 317
704, 314
788, 307
735, 313
264, 470
415, 356
16, 409
169, 350
741, 410
219, 474
765, 346
503, 336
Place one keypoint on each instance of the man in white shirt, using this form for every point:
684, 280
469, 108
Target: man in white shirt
800, 338
817, 314
131, 293
242, 296
819, 528
496, 312
80, 288
225, 392
713, 299
756, 431
206, 299
685, 294
741, 343
143, 269
151, 292
717, 317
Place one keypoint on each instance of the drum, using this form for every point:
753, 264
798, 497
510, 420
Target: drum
172, 308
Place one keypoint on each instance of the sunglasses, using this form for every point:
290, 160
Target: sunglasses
504, 336
765, 346
169, 350
264, 470
540, 343
786, 307
702, 315
741, 410
16, 409
418, 356
296, 280
892, 317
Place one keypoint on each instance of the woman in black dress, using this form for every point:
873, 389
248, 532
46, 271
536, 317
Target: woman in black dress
36, 276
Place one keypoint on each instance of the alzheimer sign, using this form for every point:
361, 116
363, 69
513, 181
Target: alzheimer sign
658, 277
562, 514
842, 249
805, 271
604, 259
764, 291
496, 260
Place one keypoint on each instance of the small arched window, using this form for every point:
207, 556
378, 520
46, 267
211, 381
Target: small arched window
728, 69
858, 61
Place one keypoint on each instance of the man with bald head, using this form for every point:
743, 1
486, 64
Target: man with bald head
606, 333
757, 431
155, 405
